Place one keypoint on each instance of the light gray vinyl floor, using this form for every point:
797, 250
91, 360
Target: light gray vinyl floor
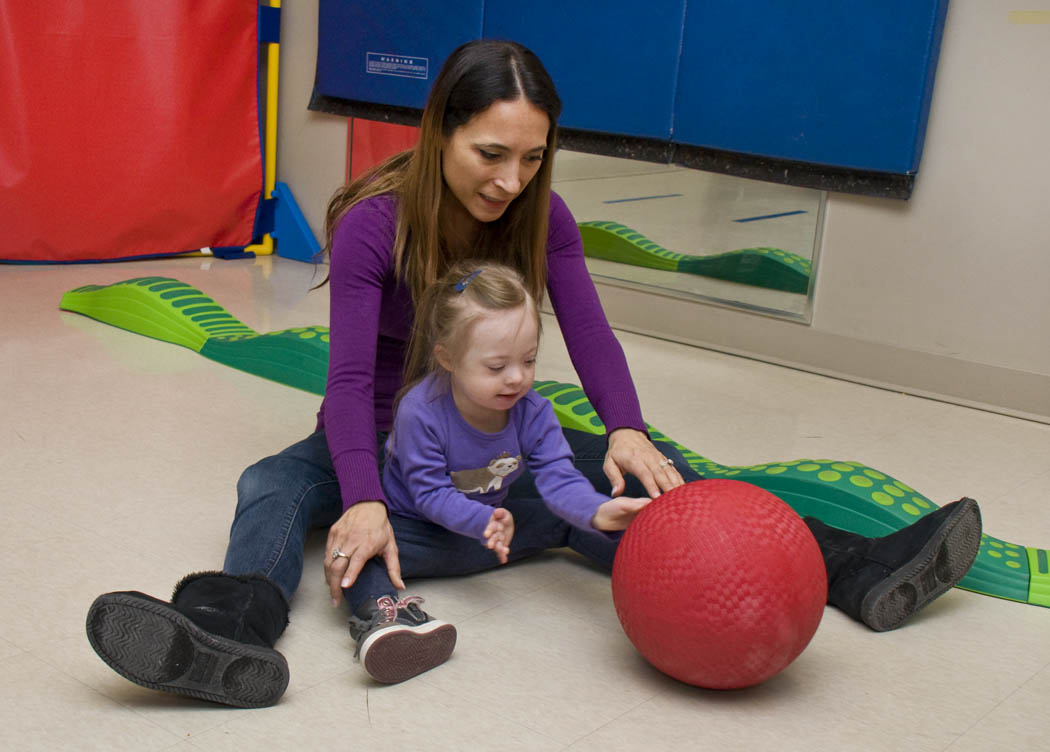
119, 459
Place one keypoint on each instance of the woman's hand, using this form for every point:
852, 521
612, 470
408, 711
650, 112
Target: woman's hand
616, 514
630, 451
499, 532
362, 533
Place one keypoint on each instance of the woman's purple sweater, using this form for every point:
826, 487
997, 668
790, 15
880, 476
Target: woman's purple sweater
371, 320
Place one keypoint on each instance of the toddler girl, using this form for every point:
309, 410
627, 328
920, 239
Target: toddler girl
467, 424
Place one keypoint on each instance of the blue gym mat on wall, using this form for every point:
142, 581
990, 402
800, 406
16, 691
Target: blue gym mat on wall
842, 85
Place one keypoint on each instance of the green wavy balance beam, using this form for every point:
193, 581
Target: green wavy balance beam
175, 312
848, 495
764, 267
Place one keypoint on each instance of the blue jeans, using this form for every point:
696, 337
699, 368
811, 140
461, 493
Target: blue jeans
281, 498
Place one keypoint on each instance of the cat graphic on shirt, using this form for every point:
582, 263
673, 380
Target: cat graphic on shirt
486, 479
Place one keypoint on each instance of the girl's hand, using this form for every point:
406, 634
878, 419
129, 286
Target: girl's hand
362, 532
630, 451
499, 532
616, 514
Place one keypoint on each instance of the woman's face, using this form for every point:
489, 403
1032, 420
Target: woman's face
489, 160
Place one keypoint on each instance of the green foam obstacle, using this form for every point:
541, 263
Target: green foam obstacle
175, 312
848, 495
764, 267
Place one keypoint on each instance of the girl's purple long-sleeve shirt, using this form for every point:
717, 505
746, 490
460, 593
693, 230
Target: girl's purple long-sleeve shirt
440, 468
371, 321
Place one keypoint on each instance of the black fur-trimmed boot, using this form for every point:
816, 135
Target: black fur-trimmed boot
884, 581
213, 641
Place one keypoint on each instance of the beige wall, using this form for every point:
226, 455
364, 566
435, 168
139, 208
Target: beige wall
947, 294
963, 268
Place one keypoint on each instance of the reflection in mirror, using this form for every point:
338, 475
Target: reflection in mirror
695, 234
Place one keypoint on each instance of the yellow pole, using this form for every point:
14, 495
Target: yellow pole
270, 136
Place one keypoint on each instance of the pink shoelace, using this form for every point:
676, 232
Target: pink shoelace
389, 606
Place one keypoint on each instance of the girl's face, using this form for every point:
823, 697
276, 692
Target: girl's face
488, 161
496, 368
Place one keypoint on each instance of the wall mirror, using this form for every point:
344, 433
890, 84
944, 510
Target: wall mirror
697, 235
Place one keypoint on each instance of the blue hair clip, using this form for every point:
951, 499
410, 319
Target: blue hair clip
462, 284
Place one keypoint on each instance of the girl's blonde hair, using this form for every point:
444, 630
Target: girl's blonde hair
449, 309
476, 75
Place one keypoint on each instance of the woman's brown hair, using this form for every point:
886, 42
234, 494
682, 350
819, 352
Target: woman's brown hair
475, 75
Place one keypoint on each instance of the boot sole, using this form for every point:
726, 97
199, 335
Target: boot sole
151, 644
400, 652
943, 561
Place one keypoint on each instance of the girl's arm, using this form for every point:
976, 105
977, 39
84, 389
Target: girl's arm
564, 489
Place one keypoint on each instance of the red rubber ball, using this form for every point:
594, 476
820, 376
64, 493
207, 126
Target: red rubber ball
719, 584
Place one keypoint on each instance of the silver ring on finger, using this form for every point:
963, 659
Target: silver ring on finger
665, 462
337, 554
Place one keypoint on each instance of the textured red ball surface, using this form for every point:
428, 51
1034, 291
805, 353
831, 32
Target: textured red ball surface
719, 584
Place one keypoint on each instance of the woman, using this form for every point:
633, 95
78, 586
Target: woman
477, 185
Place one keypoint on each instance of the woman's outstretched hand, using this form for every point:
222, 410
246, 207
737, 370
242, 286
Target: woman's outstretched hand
498, 533
630, 451
362, 533
616, 514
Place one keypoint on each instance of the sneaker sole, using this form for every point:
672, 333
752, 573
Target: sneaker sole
943, 561
151, 644
400, 652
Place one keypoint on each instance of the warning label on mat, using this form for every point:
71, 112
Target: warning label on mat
406, 66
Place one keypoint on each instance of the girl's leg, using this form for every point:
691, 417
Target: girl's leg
372, 583
396, 639
429, 550
537, 528
426, 549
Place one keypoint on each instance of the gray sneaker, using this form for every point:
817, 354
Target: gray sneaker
397, 640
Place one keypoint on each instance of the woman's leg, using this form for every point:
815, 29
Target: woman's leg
214, 640
880, 582
589, 451
279, 500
